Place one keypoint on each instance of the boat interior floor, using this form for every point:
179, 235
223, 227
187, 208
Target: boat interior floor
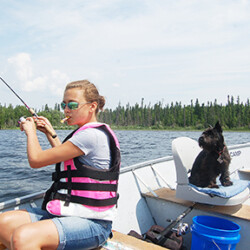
241, 211
123, 241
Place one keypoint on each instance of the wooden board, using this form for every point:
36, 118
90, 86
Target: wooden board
245, 171
240, 211
123, 241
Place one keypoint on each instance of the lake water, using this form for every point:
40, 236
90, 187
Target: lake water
18, 179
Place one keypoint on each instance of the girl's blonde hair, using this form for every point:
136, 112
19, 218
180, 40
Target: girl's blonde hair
90, 92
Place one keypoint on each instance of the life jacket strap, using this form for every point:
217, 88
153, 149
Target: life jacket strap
93, 174
69, 186
87, 201
88, 186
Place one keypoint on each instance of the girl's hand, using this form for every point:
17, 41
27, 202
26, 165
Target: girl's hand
41, 122
28, 125
44, 125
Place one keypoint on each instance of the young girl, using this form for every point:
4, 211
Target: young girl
78, 209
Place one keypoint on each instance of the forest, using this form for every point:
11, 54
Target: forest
235, 115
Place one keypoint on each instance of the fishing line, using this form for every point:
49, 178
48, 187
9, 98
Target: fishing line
30, 109
15, 93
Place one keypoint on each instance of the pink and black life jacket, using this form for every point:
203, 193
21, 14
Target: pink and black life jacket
92, 187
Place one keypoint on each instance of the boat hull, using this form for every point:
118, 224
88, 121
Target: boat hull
147, 197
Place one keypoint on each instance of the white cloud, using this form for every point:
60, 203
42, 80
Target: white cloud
37, 84
53, 81
22, 64
133, 43
58, 82
116, 85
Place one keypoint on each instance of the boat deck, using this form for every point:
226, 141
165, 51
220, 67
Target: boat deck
165, 207
123, 241
241, 211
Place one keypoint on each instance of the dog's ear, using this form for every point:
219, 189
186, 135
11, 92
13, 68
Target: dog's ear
218, 127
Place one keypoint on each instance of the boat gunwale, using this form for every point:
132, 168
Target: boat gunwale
31, 197
21, 200
145, 163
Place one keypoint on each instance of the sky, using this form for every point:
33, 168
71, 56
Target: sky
159, 50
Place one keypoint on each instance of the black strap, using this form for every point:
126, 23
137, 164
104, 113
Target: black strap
69, 187
88, 186
87, 172
88, 201
70, 135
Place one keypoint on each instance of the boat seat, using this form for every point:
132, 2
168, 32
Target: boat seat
184, 151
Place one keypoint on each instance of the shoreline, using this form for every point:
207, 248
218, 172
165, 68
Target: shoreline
135, 128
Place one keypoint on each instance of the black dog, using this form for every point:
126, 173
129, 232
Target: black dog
212, 161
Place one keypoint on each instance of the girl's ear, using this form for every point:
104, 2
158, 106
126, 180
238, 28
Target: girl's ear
93, 106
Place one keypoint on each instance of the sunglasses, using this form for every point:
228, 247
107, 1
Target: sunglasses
72, 105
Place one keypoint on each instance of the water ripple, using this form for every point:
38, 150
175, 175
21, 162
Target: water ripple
18, 179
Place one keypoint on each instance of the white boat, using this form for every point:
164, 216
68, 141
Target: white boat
156, 192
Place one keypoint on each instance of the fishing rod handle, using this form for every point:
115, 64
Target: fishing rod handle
50, 131
46, 126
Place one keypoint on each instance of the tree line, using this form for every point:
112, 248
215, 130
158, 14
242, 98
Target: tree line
234, 115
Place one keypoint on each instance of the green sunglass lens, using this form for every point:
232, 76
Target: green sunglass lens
73, 105
63, 105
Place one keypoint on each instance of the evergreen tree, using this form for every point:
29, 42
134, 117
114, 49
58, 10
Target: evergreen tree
199, 116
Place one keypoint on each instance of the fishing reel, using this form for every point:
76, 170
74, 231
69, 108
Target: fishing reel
22, 119
181, 229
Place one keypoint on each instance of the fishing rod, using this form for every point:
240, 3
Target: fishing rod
161, 238
49, 130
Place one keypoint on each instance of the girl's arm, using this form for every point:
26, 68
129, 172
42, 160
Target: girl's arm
41, 122
39, 158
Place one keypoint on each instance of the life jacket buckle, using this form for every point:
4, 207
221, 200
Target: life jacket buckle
67, 200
